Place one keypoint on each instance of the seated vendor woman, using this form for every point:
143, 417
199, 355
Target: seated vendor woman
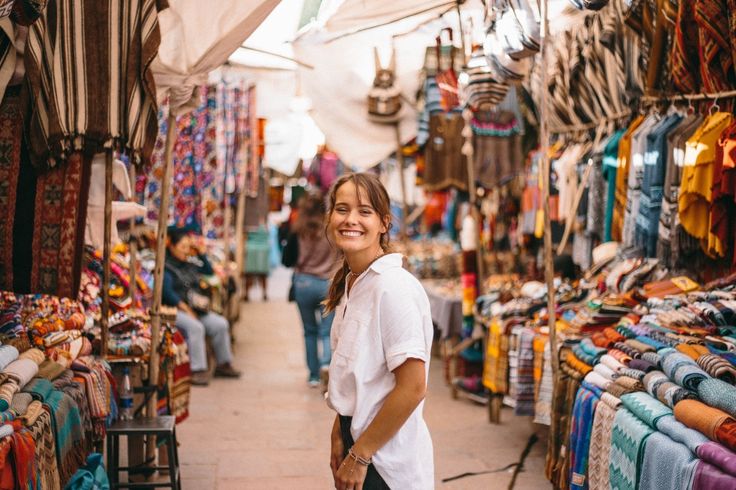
186, 263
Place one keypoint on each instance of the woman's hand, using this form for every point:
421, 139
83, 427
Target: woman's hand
337, 449
350, 475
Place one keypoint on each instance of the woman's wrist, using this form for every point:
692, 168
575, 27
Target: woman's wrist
357, 458
362, 452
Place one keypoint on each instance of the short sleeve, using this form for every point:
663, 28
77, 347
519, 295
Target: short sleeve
402, 329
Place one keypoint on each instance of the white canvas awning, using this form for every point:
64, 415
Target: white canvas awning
196, 38
344, 69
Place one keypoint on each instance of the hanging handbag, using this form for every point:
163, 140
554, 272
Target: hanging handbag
447, 78
448, 55
384, 98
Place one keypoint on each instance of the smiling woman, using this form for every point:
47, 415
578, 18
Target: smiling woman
381, 339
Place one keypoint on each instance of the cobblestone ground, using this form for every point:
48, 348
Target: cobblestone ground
269, 430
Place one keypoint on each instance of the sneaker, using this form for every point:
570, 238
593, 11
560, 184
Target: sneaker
226, 371
313, 383
200, 378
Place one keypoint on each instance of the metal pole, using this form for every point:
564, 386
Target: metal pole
402, 177
106, 252
158, 273
549, 273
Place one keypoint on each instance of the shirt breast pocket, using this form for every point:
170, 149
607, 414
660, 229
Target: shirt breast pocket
347, 343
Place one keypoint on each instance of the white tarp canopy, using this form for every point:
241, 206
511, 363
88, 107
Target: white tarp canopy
343, 16
196, 38
344, 69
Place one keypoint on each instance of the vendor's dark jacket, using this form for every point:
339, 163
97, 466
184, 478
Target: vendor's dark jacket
180, 277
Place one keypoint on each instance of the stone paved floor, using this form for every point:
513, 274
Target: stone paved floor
269, 430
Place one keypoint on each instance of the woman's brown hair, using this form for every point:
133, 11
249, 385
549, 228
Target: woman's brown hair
311, 218
373, 189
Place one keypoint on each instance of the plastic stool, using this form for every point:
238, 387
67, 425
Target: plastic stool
163, 427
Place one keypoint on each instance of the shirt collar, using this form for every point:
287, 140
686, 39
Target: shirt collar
386, 262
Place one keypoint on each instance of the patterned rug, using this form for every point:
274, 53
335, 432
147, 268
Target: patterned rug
43, 218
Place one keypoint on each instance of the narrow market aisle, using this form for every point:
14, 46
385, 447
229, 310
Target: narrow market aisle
270, 430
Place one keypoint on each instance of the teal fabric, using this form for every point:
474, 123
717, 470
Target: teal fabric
718, 394
628, 438
646, 408
91, 477
667, 464
610, 168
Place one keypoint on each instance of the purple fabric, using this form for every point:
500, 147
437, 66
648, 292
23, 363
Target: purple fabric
708, 477
642, 365
719, 456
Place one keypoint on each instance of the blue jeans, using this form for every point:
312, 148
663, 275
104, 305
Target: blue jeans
211, 324
309, 292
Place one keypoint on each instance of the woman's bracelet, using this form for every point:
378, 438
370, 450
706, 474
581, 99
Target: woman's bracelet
358, 459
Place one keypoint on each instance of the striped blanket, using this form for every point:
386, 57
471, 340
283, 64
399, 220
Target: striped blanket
88, 80
67, 425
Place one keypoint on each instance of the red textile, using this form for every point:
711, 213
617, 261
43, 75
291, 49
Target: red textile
726, 434
58, 241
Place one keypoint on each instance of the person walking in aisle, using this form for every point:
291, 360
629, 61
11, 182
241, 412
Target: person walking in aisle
313, 259
381, 339
182, 289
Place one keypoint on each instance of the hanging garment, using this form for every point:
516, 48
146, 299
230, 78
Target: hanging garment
634, 178
622, 176
647, 221
667, 242
696, 195
723, 208
445, 165
610, 170
587, 399
111, 100
497, 148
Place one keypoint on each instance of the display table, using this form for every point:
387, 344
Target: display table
447, 310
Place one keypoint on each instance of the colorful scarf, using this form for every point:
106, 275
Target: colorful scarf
717, 367
599, 454
642, 365
683, 370
596, 379
21, 371
525, 374
628, 439
717, 455
680, 433
580, 433
718, 394
8, 354
652, 357
24, 457
700, 417
620, 356
612, 363
667, 464
41, 429
66, 423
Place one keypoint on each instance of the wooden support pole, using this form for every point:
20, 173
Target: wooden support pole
402, 177
133, 243
106, 256
158, 274
545, 171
